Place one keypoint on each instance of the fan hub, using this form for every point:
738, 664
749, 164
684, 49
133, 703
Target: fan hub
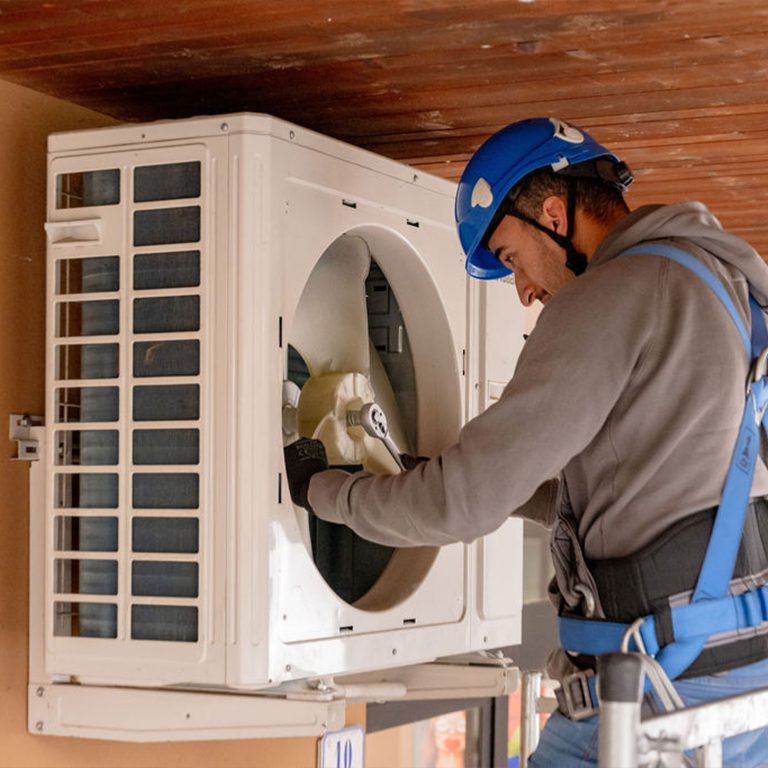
322, 414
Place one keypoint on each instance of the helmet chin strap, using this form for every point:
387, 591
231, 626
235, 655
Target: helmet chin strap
575, 260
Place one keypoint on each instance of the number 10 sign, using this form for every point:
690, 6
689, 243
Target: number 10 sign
342, 749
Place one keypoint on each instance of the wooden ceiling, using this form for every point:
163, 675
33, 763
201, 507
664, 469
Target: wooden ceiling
677, 87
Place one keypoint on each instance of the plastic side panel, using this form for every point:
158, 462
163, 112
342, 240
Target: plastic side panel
503, 324
500, 573
501, 338
537, 568
498, 587
499, 556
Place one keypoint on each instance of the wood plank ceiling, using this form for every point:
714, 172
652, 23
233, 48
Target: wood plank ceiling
677, 87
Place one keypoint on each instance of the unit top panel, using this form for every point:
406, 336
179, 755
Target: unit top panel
200, 128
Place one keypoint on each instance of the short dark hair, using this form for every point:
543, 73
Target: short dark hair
601, 201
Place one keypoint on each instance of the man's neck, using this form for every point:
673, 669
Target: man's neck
590, 232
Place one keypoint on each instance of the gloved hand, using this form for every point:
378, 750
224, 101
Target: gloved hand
411, 462
303, 458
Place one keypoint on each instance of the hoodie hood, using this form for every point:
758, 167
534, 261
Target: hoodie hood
694, 223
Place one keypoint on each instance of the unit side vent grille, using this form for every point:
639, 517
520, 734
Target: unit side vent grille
127, 351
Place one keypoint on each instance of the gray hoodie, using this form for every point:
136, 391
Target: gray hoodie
630, 390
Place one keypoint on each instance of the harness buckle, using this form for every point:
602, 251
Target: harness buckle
759, 367
588, 599
757, 395
633, 633
576, 697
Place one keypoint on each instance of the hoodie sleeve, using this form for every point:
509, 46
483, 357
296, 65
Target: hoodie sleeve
572, 370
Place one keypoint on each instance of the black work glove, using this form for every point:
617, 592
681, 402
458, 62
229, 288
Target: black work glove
303, 459
411, 462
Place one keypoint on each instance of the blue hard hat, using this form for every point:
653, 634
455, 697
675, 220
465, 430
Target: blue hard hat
505, 159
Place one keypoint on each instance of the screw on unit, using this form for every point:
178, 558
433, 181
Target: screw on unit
39, 725
40, 692
225, 126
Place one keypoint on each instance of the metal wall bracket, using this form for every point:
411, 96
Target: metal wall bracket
151, 715
431, 681
479, 659
20, 431
309, 708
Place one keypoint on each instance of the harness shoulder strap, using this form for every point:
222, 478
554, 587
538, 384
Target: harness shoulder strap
692, 629
700, 269
759, 328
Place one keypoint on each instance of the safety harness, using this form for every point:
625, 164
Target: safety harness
676, 637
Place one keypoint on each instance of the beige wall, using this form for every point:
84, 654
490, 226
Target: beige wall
26, 119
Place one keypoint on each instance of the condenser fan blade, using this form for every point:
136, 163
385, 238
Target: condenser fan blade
330, 328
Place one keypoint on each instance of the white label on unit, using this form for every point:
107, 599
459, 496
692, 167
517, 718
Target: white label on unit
342, 749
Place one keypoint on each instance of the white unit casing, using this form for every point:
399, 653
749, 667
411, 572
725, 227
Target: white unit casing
180, 259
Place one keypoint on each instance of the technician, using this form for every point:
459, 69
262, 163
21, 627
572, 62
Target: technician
618, 426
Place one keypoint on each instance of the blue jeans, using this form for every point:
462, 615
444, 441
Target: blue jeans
568, 743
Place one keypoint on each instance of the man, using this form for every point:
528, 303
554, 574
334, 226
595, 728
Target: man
618, 426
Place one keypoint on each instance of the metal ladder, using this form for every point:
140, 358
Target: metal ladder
628, 741
532, 705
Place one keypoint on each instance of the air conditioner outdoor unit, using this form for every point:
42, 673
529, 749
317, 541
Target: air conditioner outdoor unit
218, 286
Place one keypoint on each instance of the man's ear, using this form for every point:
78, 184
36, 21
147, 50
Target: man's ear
554, 214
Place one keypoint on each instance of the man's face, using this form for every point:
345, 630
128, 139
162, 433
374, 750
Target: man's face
537, 261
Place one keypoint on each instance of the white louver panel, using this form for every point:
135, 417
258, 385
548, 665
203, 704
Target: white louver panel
130, 499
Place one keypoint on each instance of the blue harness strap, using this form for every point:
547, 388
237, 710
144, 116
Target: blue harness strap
711, 610
759, 329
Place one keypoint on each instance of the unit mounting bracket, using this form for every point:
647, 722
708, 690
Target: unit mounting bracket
20, 431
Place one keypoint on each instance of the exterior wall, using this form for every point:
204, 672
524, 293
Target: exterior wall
25, 121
